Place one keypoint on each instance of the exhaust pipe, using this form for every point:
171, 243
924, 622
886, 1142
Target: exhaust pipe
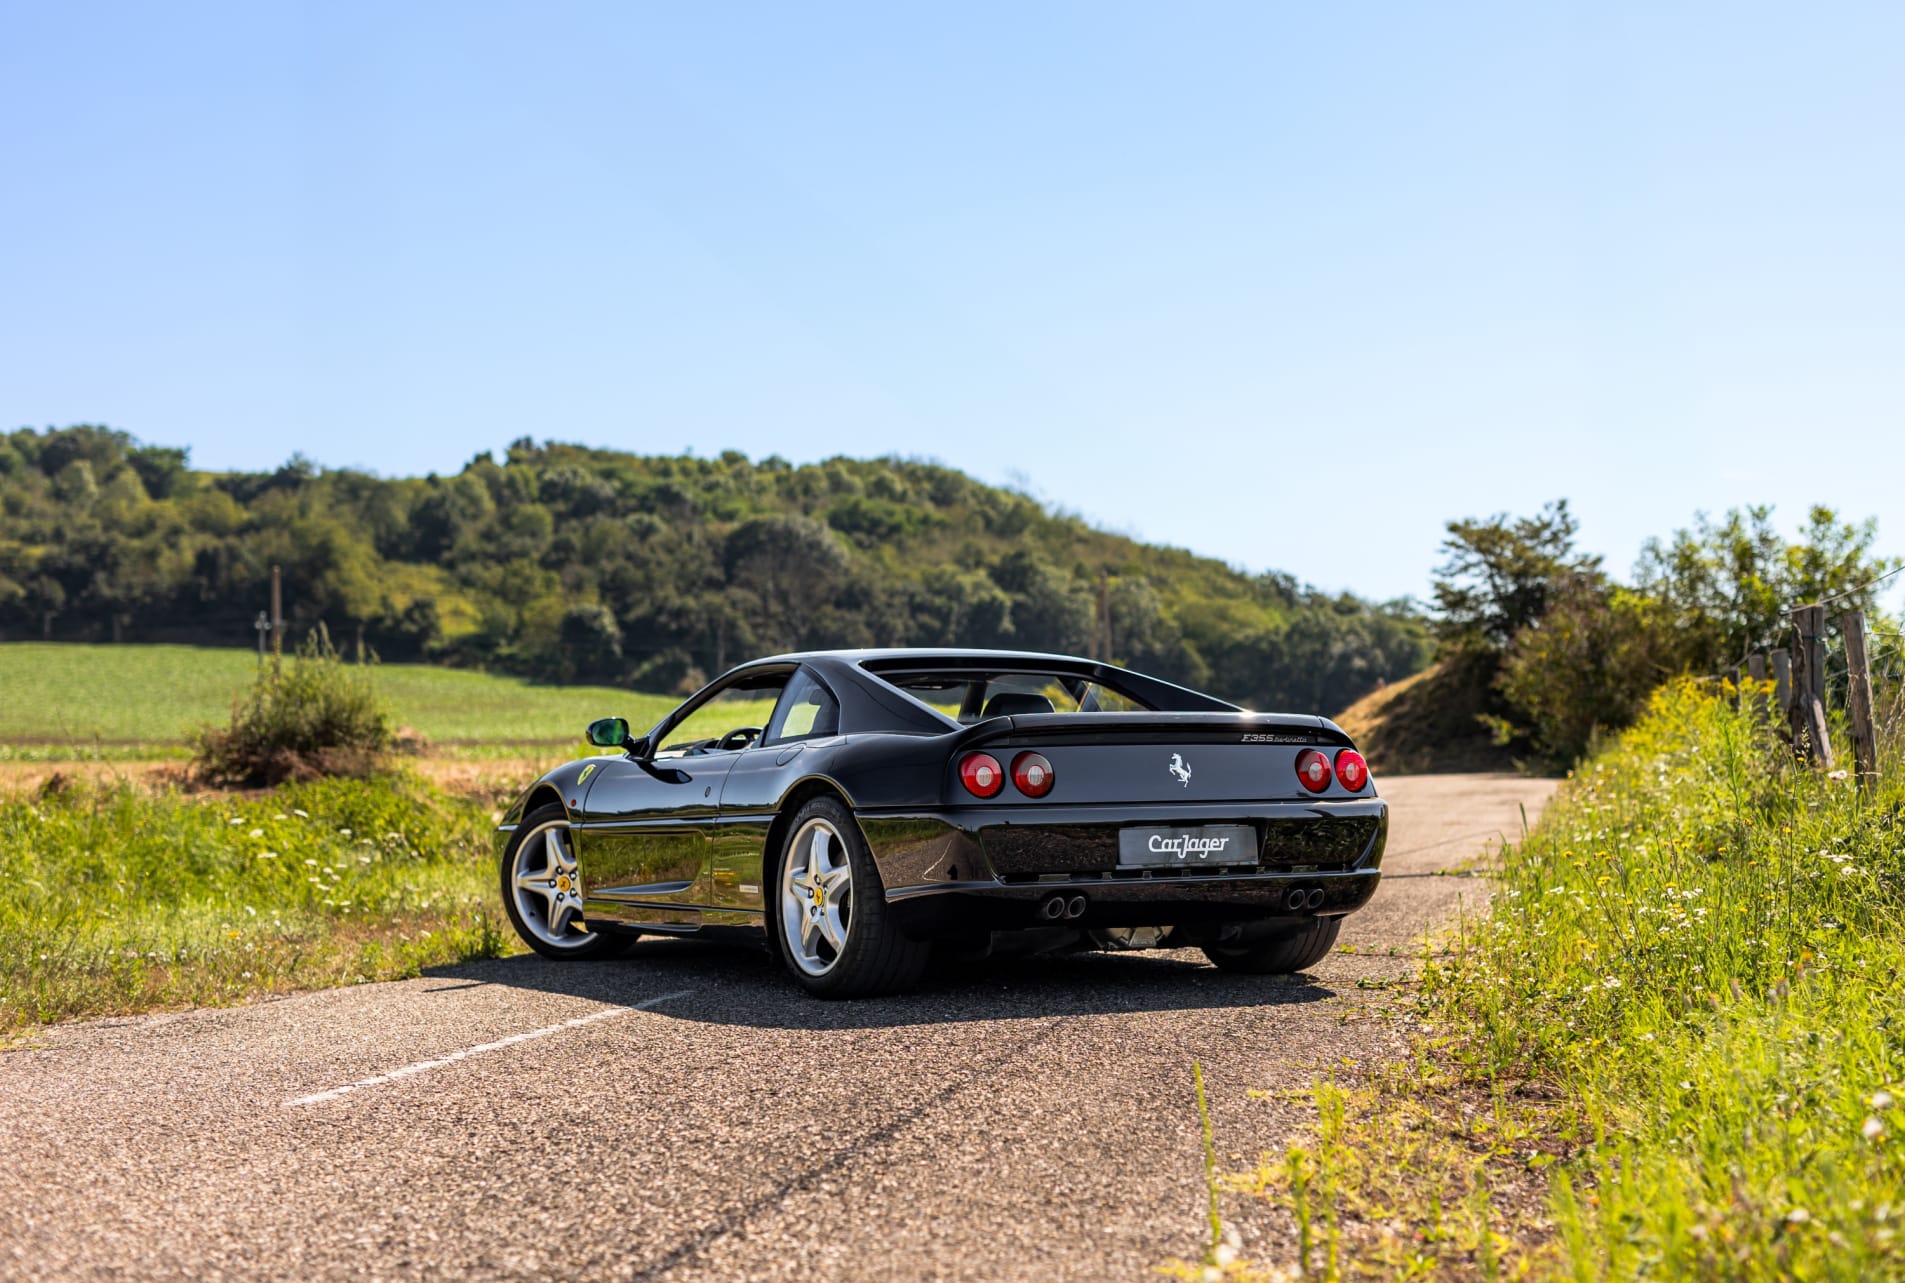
1052, 909
1316, 898
1075, 907
1296, 899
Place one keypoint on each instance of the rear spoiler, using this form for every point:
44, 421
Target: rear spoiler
1153, 728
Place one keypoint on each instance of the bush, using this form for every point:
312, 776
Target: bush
314, 717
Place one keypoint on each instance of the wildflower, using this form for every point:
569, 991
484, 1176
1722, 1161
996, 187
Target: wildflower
1880, 1099
267, 855
312, 863
1873, 1129
1798, 1216
344, 833
302, 815
257, 833
1611, 982
281, 816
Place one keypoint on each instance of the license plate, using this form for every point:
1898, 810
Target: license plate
1210, 844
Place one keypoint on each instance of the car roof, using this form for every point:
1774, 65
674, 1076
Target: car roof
926, 653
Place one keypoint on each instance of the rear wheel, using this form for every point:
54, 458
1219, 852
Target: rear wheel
542, 890
836, 936
1296, 949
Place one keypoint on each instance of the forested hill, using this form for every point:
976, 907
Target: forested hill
577, 564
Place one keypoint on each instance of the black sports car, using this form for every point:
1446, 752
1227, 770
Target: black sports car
860, 808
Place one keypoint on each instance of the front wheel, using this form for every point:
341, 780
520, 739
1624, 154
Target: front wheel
1297, 949
836, 936
542, 890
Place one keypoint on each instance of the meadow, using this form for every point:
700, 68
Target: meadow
1673, 1049
63, 700
120, 898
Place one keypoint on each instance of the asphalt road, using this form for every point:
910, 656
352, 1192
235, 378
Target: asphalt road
685, 1114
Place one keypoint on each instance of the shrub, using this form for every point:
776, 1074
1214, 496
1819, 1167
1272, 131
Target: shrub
314, 717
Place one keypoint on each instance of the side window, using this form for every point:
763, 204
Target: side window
730, 720
807, 709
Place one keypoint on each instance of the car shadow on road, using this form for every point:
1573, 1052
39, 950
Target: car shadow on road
733, 985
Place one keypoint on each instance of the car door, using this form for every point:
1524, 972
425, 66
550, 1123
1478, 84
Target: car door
806, 718
644, 836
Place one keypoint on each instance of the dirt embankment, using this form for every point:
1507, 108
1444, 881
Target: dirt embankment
1428, 723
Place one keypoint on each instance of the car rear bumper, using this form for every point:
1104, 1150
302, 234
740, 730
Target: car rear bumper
997, 867
1153, 902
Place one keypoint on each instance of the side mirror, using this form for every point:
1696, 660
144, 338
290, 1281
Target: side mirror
609, 732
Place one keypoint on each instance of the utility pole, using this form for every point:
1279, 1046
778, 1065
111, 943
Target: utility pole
263, 625
277, 618
1101, 635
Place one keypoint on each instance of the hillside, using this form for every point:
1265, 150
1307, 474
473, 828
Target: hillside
571, 564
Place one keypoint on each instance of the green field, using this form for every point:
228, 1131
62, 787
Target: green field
130, 700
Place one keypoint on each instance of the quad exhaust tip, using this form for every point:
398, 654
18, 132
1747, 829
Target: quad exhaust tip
1301, 899
1075, 907
1058, 908
1316, 898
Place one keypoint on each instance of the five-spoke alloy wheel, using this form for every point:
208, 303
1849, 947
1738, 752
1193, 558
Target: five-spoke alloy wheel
830, 914
816, 897
542, 890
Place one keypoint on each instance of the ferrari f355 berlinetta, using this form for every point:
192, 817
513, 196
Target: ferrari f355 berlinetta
858, 809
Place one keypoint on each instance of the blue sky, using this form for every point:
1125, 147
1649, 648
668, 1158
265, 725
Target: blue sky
1286, 284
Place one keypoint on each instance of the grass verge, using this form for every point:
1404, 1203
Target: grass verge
1673, 1050
121, 899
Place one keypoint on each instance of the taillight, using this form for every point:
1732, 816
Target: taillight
1313, 769
1352, 772
1032, 774
981, 774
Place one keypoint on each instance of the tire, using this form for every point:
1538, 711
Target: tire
1297, 949
830, 920
528, 902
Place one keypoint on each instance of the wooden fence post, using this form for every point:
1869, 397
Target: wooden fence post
1858, 701
1809, 686
1783, 682
1756, 673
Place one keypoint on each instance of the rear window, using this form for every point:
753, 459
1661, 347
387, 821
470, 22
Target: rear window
971, 695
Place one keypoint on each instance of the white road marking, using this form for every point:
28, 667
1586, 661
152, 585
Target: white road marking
424, 1066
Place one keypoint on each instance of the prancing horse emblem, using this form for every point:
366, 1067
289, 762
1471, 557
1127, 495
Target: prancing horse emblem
1181, 769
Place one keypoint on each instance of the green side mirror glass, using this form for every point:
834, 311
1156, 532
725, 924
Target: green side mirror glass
608, 732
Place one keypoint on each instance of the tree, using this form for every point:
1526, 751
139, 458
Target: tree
591, 644
1731, 584
1497, 575
789, 567
1587, 665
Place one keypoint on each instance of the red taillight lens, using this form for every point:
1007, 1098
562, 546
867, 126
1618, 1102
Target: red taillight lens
981, 774
1032, 774
1313, 769
1351, 771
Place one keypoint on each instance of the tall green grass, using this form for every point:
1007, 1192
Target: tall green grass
61, 699
1673, 1049
118, 899
1702, 945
